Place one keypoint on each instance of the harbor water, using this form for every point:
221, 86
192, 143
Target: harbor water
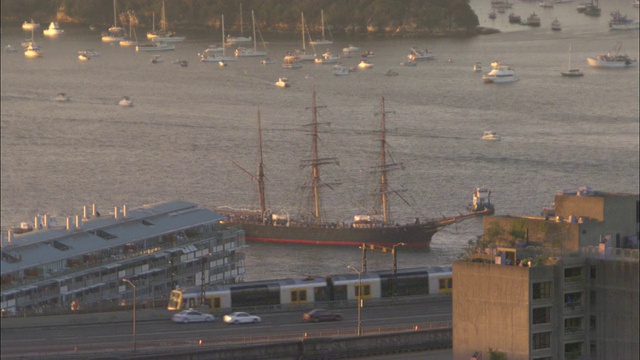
192, 131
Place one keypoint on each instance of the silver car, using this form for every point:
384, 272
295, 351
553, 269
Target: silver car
187, 316
241, 318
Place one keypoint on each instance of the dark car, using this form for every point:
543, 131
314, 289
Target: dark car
317, 315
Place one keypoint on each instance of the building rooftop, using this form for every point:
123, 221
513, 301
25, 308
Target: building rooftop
51, 244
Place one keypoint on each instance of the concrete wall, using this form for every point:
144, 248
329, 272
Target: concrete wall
490, 310
616, 309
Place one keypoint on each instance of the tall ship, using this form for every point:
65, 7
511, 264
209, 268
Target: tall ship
376, 228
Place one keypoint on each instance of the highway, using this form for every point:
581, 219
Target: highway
114, 336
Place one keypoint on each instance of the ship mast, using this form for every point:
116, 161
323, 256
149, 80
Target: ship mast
315, 162
261, 189
384, 168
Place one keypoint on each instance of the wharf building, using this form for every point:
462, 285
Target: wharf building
80, 266
558, 286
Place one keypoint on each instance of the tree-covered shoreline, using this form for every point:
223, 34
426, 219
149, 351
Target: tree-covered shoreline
406, 18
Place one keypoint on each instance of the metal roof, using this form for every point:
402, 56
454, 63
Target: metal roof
44, 246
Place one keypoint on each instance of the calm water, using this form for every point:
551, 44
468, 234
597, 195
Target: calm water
190, 124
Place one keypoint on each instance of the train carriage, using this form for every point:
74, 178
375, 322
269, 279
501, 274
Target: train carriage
309, 290
346, 287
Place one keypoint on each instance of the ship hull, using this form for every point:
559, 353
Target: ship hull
417, 236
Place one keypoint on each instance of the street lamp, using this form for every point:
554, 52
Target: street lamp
395, 265
359, 297
134, 312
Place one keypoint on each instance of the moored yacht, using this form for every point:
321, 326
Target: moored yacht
28, 26
53, 30
490, 135
416, 54
282, 82
500, 74
33, 51
616, 60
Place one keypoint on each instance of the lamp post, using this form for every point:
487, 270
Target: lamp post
359, 332
134, 312
395, 265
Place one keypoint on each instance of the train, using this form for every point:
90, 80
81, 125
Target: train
316, 289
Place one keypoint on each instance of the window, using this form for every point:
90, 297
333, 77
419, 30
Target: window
573, 274
592, 298
541, 340
542, 290
572, 300
592, 272
592, 322
572, 325
366, 290
542, 315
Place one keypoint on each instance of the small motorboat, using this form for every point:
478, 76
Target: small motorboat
61, 97
490, 135
84, 57
10, 48
156, 59
53, 30
126, 102
477, 67
364, 64
339, 70
33, 51
267, 61
368, 54
282, 82
408, 63
391, 73
222, 63
89, 53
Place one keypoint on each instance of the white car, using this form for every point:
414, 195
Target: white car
187, 316
241, 318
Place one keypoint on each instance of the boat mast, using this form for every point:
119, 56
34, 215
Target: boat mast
383, 188
304, 48
164, 19
114, 14
242, 27
222, 23
261, 189
316, 161
253, 19
322, 22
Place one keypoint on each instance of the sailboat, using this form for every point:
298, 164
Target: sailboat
571, 72
244, 52
33, 50
302, 55
164, 35
375, 229
115, 33
235, 40
132, 39
323, 41
215, 56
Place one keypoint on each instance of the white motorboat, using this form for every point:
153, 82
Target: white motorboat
323, 40
477, 67
115, 33
61, 97
28, 26
88, 53
416, 54
126, 102
84, 57
33, 51
364, 64
570, 71
340, 70
350, 49
616, 60
53, 30
500, 74
327, 58
555, 25
621, 22
155, 46
246, 52
282, 82
490, 135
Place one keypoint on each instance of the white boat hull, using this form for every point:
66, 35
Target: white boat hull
321, 42
112, 38
610, 64
498, 80
32, 54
